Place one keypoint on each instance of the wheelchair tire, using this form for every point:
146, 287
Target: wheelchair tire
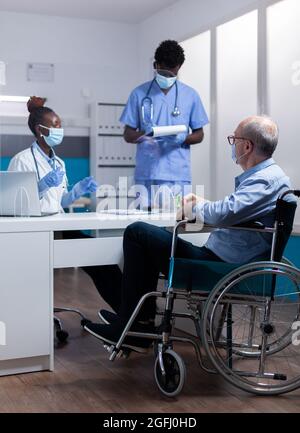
284, 340
280, 372
172, 382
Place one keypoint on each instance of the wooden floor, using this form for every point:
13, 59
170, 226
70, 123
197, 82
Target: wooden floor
85, 380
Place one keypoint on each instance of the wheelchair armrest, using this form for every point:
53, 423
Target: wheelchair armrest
251, 225
255, 226
247, 225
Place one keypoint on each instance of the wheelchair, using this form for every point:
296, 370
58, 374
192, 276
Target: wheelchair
246, 317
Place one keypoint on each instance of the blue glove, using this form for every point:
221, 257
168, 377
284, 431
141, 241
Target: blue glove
176, 140
85, 186
147, 134
53, 179
148, 138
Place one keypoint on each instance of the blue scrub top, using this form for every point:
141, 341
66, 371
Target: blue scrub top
162, 160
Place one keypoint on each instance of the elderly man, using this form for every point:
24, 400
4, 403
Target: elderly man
147, 248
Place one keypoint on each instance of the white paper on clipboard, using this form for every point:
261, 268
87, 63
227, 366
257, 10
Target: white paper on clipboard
163, 131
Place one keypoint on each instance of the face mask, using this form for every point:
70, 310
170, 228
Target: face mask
165, 82
55, 136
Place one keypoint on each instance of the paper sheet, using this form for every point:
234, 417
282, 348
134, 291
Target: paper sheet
124, 212
162, 131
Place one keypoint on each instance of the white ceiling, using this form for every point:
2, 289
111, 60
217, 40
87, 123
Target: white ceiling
126, 11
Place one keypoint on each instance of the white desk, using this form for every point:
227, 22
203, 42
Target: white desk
28, 256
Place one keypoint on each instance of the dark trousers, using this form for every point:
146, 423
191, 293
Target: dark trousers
147, 251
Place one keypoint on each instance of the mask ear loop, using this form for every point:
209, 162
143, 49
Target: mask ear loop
45, 127
240, 157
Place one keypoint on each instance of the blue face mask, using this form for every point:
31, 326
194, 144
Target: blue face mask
165, 82
55, 136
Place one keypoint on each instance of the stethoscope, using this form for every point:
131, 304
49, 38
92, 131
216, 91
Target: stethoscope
36, 164
147, 99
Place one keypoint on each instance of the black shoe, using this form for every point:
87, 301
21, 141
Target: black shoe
111, 334
107, 317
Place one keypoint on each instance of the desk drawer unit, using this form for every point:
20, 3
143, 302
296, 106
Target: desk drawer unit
25, 298
88, 252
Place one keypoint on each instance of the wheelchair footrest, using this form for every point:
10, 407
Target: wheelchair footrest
122, 353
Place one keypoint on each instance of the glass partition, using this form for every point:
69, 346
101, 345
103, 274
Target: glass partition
283, 32
196, 73
236, 90
2, 84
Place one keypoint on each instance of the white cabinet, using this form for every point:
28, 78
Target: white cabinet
111, 158
26, 295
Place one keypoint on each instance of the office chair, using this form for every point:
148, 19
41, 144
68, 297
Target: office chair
61, 334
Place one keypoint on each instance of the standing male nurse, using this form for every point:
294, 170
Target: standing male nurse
164, 101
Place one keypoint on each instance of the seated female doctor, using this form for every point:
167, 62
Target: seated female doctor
52, 180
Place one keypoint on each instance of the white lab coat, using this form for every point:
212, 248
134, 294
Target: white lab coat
23, 161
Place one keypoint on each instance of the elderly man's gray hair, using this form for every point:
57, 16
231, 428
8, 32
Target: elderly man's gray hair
263, 132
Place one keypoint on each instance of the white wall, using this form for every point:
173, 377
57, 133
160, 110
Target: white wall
181, 21
107, 58
97, 55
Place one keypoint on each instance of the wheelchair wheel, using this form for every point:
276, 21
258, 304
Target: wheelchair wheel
255, 316
257, 352
172, 382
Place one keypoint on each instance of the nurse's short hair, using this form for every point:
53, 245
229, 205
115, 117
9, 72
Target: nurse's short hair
263, 132
170, 53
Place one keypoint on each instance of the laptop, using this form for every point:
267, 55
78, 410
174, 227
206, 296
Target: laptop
19, 195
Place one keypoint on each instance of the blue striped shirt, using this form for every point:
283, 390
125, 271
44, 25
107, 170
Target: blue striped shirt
254, 198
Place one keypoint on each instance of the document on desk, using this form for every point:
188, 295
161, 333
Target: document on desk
124, 212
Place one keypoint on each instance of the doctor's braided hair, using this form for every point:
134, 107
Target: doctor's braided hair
35, 106
170, 53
